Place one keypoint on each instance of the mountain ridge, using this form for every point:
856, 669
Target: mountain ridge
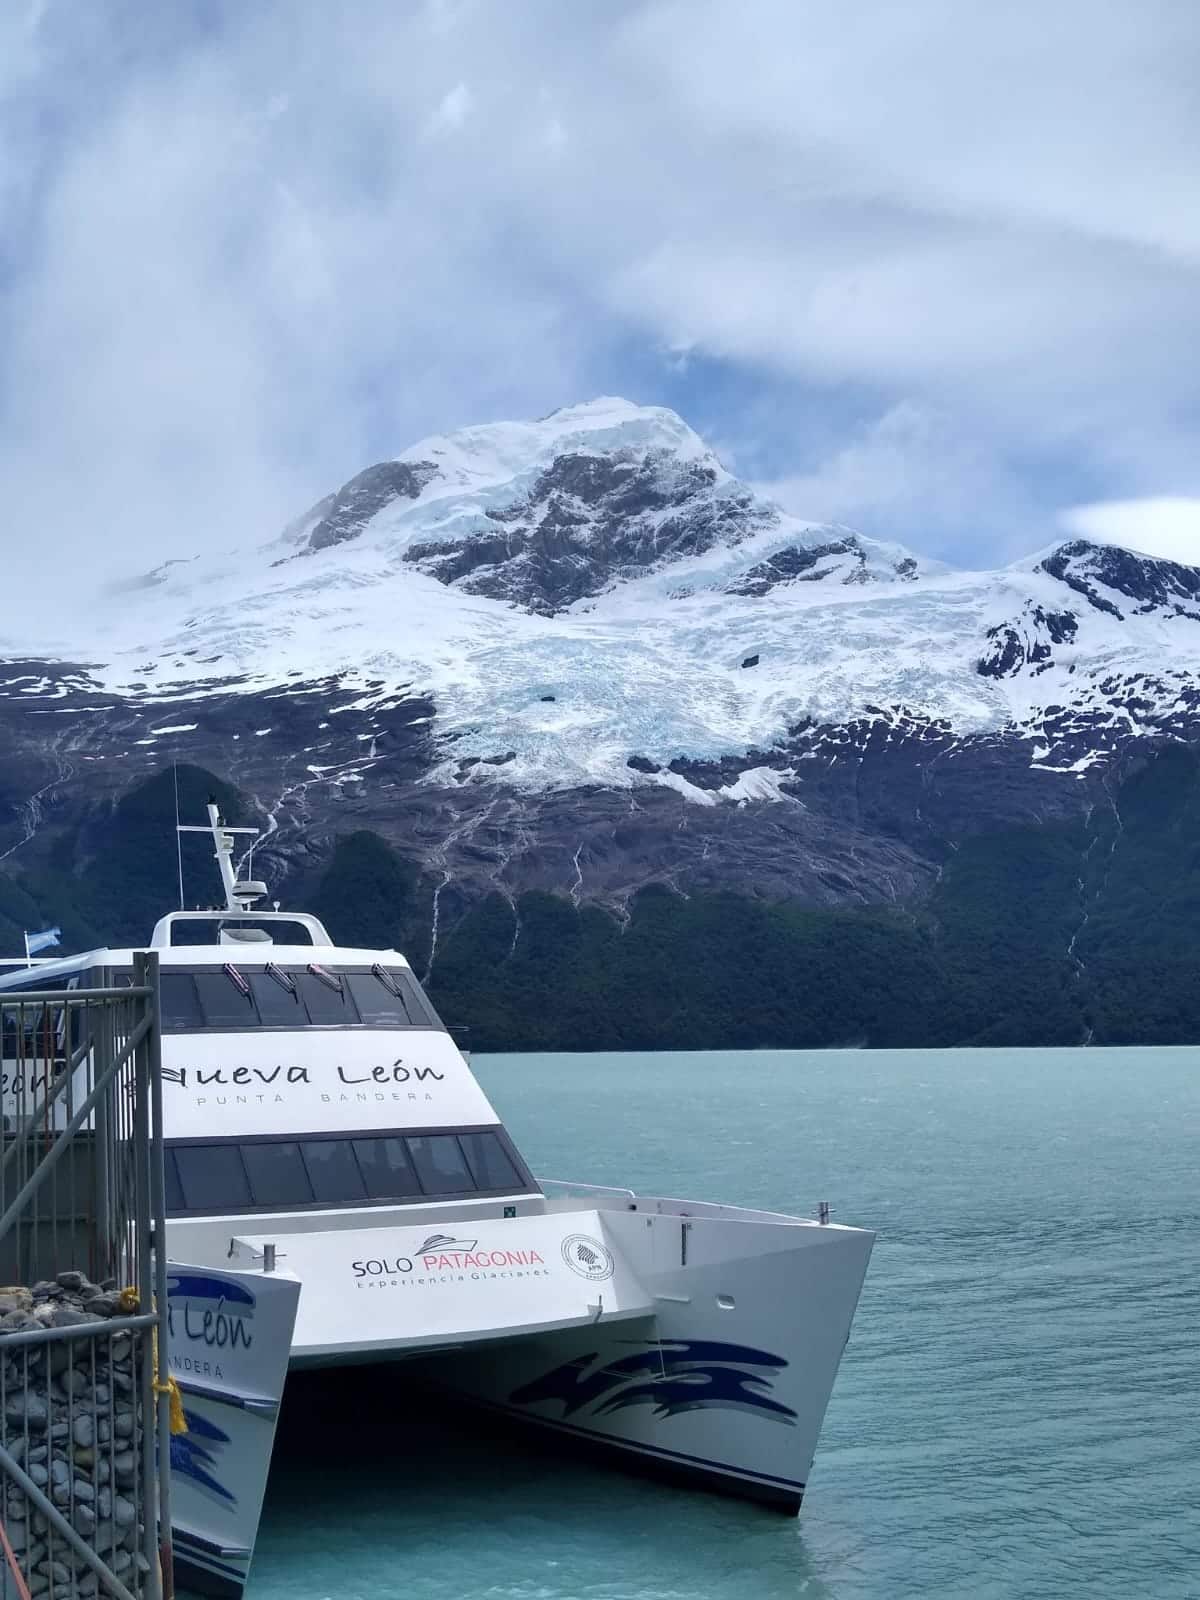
579, 658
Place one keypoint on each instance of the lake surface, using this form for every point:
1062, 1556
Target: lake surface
1018, 1411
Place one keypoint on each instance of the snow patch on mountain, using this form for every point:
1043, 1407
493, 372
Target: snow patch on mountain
596, 587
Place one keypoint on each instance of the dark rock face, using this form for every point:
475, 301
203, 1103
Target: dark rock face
1026, 644
1148, 582
803, 564
590, 521
347, 513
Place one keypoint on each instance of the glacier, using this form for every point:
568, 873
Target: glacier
595, 588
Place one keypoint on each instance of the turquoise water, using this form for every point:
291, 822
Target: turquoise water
1018, 1411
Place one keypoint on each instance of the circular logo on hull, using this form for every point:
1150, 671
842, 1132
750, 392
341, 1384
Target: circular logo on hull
588, 1257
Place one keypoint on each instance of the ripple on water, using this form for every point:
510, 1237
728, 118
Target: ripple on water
1016, 1416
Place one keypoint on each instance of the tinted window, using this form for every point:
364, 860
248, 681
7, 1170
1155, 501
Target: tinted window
223, 1003
386, 1169
377, 1003
277, 1006
440, 1164
180, 1004
174, 1193
281, 1174
277, 1174
489, 1162
333, 1171
212, 1177
325, 1004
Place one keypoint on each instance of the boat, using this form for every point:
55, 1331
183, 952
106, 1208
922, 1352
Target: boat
341, 1194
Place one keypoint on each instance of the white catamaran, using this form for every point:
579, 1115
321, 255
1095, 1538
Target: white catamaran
326, 1140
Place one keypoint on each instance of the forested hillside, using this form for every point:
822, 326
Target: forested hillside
1051, 934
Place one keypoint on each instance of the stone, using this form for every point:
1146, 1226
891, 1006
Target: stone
27, 1410
19, 1322
105, 1305
84, 1431
38, 1473
69, 1317
83, 1490
124, 1511
61, 1356
84, 1519
72, 1280
75, 1382
60, 1472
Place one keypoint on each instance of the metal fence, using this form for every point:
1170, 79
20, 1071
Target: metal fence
83, 1319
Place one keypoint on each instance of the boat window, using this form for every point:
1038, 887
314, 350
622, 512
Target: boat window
212, 1177
222, 1001
387, 1171
278, 1176
488, 1161
379, 1000
278, 1006
326, 1005
180, 1002
245, 995
333, 1170
367, 1169
440, 1164
174, 1189
31, 1031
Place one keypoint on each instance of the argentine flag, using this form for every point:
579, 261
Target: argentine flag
41, 941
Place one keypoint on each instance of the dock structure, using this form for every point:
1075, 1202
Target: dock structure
85, 1405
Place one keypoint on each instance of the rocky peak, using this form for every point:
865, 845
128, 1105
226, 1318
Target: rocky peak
590, 520
346, 513
1146, 583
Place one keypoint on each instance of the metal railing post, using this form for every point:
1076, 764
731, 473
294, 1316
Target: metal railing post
158, 1208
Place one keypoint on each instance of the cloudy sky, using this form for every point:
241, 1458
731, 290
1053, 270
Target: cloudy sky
929, 268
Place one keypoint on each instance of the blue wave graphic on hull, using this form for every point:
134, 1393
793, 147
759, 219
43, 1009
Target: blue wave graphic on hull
194, 1452
671, 1375
195, 1286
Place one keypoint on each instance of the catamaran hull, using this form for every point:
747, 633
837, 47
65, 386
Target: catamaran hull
724, 1385
692, 1341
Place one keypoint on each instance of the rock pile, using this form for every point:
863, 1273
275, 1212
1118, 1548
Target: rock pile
70, 1416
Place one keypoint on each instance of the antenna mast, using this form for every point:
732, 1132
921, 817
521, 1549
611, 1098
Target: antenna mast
238, 896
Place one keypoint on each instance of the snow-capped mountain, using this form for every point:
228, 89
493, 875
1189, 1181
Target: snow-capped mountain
578, 654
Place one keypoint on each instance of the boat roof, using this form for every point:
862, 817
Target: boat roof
217, 955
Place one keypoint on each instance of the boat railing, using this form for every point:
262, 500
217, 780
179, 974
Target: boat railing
564, 1187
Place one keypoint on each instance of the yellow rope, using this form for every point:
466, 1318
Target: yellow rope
131, 1304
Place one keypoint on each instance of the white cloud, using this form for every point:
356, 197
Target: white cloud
454, 109
912, 475
239, 268
1162, 525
